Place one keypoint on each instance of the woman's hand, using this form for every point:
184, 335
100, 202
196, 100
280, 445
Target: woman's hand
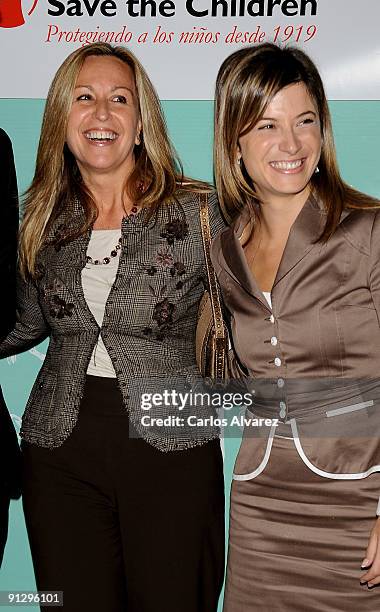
372, 558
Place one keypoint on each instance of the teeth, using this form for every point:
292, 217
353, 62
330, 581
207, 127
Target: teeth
283, 165
101, 135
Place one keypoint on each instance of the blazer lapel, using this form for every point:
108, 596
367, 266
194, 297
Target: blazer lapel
235, 261
303, 237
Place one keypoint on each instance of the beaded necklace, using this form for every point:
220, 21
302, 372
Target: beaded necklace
106, 260
115, 251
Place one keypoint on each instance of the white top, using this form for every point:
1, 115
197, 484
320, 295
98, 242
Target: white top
97, 281
268, 297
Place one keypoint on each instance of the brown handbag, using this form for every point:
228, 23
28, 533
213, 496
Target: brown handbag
211, 338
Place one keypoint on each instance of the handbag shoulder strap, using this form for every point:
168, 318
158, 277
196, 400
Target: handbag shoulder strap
220, 332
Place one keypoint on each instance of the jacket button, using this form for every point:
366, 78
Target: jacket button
277, 362
273, 341
282, 410
271, 318
280, 383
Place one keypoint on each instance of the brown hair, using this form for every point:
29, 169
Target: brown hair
246, 83
57, 180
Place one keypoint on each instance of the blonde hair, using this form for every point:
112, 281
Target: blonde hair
57, 180
246, 83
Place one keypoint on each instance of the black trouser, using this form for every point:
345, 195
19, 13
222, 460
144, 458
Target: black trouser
9, 470
119, 525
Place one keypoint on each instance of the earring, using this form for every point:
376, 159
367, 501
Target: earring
239, 161
316, 171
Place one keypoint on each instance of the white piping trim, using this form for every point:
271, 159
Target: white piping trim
313, 468
262, 465
352, 408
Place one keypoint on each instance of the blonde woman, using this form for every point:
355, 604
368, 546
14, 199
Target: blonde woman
300, 274
120, 516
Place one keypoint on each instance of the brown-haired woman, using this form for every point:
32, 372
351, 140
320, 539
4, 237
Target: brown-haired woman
121, 515
300, 274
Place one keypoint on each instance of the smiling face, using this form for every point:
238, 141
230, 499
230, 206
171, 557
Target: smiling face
104, 121
282, 150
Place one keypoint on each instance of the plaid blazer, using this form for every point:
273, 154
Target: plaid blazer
148, 326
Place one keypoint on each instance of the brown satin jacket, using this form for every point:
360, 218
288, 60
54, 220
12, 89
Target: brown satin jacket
314, 357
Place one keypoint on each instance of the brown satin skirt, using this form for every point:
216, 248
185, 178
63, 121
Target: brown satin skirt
297, 540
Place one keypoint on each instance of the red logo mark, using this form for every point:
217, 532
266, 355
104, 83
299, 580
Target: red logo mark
11, 15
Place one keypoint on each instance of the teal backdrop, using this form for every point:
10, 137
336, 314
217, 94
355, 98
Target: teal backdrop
357, 133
